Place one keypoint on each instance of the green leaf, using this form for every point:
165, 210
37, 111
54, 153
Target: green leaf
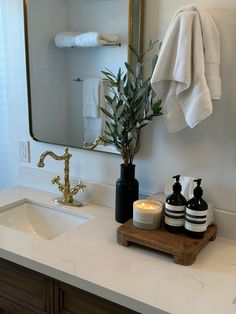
108, 133
109, 99
134, 51
128, 67
109, 76
156, 107
106, 113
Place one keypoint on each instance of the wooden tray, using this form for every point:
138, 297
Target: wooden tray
183, 248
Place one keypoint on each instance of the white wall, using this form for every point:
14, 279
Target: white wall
5, 164
207, 151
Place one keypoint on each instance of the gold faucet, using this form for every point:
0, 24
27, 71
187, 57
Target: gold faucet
68, 193
94, 144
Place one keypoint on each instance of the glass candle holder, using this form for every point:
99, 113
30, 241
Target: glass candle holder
147, 214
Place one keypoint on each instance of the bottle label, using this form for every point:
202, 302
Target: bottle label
196, 220
174, 222
175, 209
196, 212
195, 228
143, 218
174, 215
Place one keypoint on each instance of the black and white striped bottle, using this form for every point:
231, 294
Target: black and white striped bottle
175, 209
196, 213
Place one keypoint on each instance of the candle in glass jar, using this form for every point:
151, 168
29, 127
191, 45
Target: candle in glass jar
147, 214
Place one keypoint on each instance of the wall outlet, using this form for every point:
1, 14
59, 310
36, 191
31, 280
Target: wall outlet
24, 151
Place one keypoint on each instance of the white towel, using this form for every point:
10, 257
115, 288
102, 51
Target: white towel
89, 39
211, 45
179, 76
92, 129
65, 40
91, 97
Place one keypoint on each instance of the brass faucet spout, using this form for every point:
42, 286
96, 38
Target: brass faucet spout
54, 156
41, 164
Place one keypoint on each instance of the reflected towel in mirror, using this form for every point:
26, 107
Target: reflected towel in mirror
91, 97
89, 39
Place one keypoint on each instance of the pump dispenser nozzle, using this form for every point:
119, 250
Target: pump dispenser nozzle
199, 181
177, 186
177, 178
198, 192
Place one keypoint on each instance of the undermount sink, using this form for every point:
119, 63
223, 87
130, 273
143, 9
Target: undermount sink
46, 221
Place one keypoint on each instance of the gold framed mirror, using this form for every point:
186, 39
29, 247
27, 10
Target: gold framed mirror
55, 75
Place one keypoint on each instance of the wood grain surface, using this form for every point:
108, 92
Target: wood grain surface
183, 248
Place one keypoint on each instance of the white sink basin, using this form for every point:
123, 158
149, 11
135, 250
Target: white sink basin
46, 221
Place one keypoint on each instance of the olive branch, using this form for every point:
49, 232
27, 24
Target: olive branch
131, 105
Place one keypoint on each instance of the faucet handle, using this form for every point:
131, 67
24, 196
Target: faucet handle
82, 186
78, 188
56, 180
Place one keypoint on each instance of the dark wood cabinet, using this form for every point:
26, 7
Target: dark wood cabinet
76, 301
23, 291
11, 307
21, 288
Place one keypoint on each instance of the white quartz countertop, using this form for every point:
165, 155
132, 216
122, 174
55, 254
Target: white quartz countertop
149, 282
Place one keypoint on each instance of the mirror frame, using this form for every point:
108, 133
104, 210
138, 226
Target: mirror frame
133, 4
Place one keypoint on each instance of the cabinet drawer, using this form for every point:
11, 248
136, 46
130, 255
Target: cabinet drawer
24, 287
75, 301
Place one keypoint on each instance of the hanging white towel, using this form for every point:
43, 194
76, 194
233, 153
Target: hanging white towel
179, 76
91, 97
89, 39
211, 46
92, 129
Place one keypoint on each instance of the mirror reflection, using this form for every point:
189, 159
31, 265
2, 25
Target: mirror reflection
68, 44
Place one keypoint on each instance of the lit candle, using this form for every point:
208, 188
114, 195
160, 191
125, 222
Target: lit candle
147, 214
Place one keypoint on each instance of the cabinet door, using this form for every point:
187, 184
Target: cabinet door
24, 287
76, 301
9, 307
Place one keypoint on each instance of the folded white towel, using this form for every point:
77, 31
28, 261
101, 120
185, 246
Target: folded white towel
89, 39
91, 97
65, 40
179, 76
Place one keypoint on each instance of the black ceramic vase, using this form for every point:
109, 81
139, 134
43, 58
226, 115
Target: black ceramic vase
127, 190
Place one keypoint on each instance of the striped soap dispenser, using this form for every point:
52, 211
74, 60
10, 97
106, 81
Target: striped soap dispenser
196, 213
175, 208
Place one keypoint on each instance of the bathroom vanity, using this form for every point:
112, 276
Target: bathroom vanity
84, 270
26, 291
